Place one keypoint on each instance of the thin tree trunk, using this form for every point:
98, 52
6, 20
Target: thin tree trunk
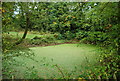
118, 48
27, 25
26, 30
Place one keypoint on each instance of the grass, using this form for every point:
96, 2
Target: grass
20, 34
73, 60
29, 35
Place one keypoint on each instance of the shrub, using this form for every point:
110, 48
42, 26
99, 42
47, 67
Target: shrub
7, 42
81, 34
58, 36
42, 40
95, 37
69, 35
50, 38
36, 37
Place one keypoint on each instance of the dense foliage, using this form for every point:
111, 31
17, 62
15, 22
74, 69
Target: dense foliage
91, 23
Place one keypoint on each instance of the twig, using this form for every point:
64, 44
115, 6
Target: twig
60, 71
99, 78
114, 77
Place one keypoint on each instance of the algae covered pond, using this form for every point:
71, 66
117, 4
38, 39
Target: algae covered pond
58, 61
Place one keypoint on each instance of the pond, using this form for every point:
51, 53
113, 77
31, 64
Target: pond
58, 61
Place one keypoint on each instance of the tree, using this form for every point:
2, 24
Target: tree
27, 23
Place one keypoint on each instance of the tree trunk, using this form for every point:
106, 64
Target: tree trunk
27, 25
26, 30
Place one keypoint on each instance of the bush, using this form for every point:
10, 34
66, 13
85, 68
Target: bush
95, 37
81, 34
7, 42
69, 35
42, 40
58, 36
50, 38
36, 37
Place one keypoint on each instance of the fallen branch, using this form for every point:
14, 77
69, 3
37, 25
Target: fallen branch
60, 71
